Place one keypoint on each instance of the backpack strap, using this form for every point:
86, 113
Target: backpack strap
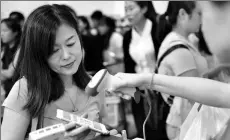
169, 51
166, 53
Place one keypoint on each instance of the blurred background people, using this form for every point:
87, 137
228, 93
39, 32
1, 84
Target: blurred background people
83, 25
96, 17
140, 47
18, 16
93, 46
112, 45
10, 37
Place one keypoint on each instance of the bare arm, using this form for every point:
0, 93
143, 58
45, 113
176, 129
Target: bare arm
15, 120
201, 90
14, 125
8, 73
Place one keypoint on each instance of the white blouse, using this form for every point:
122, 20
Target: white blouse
142, 49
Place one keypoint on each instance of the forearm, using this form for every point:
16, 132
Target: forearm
8, 73
200, 90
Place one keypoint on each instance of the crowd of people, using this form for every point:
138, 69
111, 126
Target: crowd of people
179, 62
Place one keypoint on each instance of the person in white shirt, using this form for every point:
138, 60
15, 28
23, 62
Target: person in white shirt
140, 47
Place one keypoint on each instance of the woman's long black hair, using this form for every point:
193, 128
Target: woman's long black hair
38, 38
169, 18
202, 45
151, 12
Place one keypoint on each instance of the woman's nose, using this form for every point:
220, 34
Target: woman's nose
66, 53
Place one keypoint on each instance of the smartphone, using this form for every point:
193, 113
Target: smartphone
54, 132
69, 117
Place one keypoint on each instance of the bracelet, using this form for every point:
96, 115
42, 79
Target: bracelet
151, 83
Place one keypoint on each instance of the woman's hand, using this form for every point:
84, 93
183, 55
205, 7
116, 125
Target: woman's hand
73, 131
114, 132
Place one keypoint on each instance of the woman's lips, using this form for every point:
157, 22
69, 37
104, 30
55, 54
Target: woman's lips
69, 65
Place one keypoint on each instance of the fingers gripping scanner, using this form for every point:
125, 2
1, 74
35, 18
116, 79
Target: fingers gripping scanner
103, 80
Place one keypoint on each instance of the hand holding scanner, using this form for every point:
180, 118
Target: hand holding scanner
103, 80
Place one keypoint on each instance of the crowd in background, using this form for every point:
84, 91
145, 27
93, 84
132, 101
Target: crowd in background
132, 48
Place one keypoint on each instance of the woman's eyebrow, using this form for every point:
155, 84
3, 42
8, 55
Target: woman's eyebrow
72, 36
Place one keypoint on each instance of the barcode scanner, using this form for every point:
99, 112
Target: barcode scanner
103, 80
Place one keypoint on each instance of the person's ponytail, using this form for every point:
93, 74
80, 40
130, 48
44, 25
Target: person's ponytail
164, 27
151, 12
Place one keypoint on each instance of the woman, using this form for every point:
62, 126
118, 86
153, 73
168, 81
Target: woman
112, 45
10, 35
215, 21
52, 76
181, 19
140, 47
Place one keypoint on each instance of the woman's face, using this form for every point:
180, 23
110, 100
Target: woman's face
134, 12
67, 53
7, 35
216, 29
